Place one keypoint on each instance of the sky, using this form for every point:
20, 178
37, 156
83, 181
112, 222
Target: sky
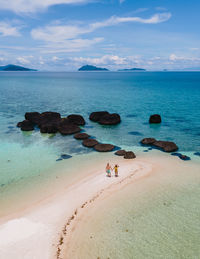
62, 35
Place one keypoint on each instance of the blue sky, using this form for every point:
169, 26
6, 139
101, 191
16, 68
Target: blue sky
62, 35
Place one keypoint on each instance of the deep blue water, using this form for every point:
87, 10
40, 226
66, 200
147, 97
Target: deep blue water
135, 96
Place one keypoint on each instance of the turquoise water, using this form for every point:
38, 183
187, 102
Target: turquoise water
154, 217
135, 96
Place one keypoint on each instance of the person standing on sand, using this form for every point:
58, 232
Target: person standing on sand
116, 170
108, 170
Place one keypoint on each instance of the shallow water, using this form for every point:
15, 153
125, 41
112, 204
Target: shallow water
161, 222
155, 217
25, 155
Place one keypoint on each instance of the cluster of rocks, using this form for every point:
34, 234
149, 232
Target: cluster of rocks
93, 143
166, 146
105, 118
125, 154
51, 122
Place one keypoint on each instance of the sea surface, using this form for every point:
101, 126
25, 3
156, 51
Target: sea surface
135, 96
26, 157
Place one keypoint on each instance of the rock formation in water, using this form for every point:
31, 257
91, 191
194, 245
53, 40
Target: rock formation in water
90, 142
51, 122
104, 147
120, 152
129, 155
166, 146
81, 136
25, 125
105, 118
76, 119
155, 118
148, 141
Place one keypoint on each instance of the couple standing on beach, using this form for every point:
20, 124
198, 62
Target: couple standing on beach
109, 168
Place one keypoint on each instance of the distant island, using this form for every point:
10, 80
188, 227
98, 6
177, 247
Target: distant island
132, 69
15, 68
92, 68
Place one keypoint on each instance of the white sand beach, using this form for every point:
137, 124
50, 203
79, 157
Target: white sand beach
38, 231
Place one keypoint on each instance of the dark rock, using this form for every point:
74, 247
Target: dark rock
104, 147
129, 155
50, 115
197, 153
156, 118
76, 119
48, 128
167, 146
26, 125
90, 142
65, 156
69, 129
81, 136
34, 117
19, 124
121, 152
110, 119
148, 141
96, 116
65, 122
184, 157
49, 118
59, 159
181, 156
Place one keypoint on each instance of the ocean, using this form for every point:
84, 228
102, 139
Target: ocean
135, 96
28, 157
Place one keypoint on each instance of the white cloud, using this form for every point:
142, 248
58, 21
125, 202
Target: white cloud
73, 45
24, 60
160, 8
115, 20
7, 29
55, 59
108, 60
30, 6
194, 49
174, 57
60, 33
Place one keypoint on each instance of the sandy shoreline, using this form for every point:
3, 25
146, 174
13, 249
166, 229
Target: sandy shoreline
46, 229
41, 231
